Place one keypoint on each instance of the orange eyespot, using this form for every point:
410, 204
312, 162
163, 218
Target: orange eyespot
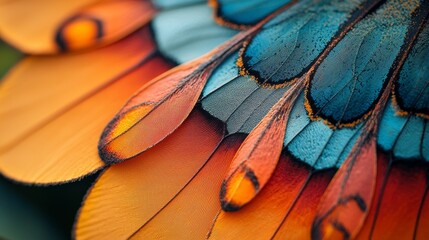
239, 190
79, 32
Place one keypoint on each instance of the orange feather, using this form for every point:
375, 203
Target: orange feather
50, 126
191, 212
257, 158
382, 170
128, 195
297, 223
56, 84
345, 204
260, 218
152, 114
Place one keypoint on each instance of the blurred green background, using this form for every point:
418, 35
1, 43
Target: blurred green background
36, 212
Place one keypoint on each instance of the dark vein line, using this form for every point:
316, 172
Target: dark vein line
380, 197
242, 102
293, 204
83, 98
255, 110
181, 189
219, 88
419, 213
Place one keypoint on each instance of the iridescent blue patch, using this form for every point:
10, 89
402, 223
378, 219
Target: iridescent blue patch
412, 91
241, 103
350, 80
406, 137
247, 12
288, 44
346, 83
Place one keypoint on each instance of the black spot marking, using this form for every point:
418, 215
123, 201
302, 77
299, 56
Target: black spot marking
108, 157
226, 205
317, 234
340, 227
230, 207
251, 175
360, 202
358, 199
